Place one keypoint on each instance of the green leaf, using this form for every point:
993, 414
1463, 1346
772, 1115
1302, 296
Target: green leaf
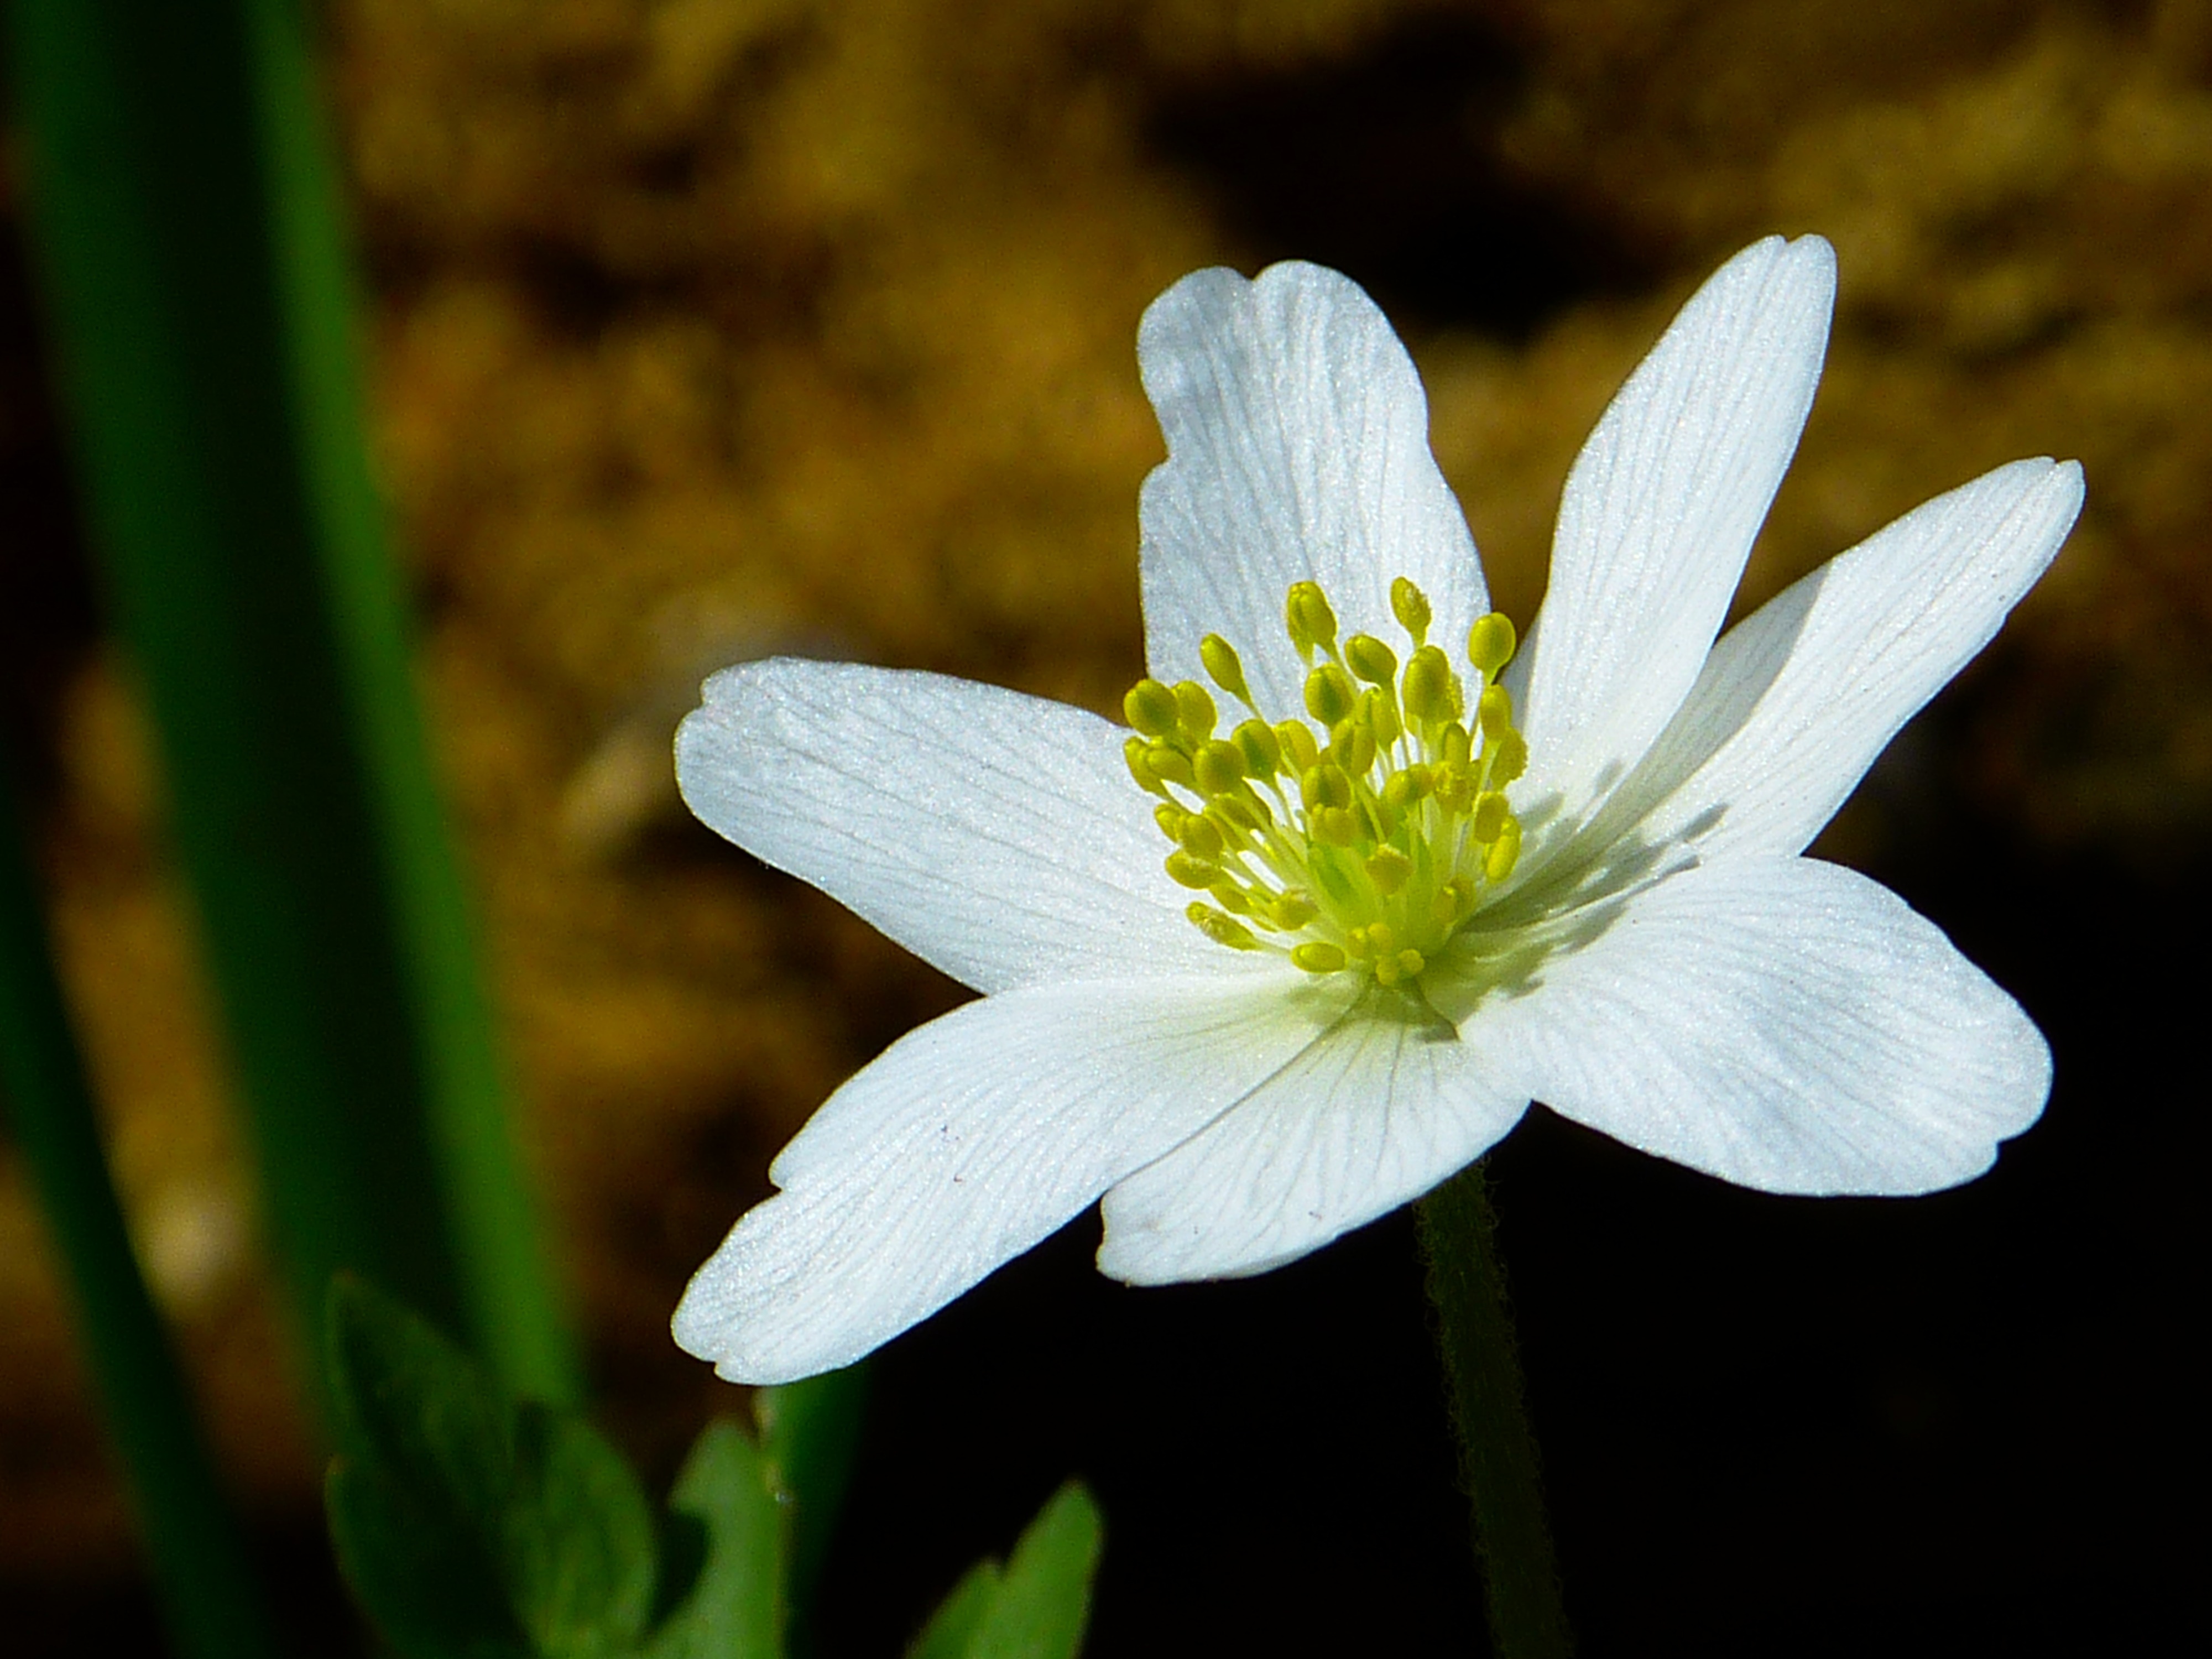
734, 1609
466, 1524
951, 1629
810, 1432
1037, 1606
1044, 1600
428, 1583
577, 1546
416, 1408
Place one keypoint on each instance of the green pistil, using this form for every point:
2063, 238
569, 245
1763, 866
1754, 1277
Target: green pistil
1362, 838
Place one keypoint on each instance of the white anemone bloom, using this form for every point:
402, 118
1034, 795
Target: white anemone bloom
1406, 892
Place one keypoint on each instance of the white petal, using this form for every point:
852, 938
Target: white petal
1298, 449
1780, 1022
1659, 514
996, 835
969, 1141
1797, 701
1368, 1119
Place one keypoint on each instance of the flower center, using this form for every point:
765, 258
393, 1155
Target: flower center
1360, 841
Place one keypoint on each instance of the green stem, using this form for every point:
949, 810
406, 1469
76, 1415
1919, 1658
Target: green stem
184, 224
214, 1606
1498, 1464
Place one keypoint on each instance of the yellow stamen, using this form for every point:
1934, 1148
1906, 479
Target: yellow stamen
1399, 825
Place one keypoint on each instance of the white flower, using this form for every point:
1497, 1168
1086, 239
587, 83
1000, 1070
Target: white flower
1606, 910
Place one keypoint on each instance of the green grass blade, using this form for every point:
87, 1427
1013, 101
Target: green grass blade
213, 1606
184, 223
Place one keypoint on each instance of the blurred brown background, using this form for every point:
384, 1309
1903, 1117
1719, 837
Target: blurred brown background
708, 328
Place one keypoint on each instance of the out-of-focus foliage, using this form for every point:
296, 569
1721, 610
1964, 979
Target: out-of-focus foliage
474, 1526
1034, 1606
704, 327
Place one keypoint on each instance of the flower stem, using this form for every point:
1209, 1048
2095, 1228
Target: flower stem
1498, 1465
208, 1591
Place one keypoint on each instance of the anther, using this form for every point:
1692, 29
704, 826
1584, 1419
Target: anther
1508, 759
1337, 825
1454, 787
1428, 685
1201, 839
1294, 909
1495, 712
1238, 811
1378, 713
1221, 662
1188, 872
1368, 658
1318, 959
1194, 710
1262, 750
1329, 696
1169, 816
1488, 818
1169, 763
1390, 870
1137, 753
1504, 851
1402, 789
1323, 786
1218, 766
1231, 897
1352, 746
1306, 613
1152, 708
1491, 643
1221, 929
1411, 607
1297, 740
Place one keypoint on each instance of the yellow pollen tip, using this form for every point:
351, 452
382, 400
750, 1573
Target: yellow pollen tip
1397, 969
1489, 816
1262, 750
1222, 930
1201, 838
1231, 898
1152, 708
1324, 787
1495, 712
1378, 713
1411, 607
1509, 759
1504, 851
1352, 746
1137, 752
1218, 766
1337, 825
1222, 663
1192, 873
1169, 763
1491, 643
1427, 686
1390, 870
1306, 614
1363, 837
1371, 659
1329, 696
1194, 710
